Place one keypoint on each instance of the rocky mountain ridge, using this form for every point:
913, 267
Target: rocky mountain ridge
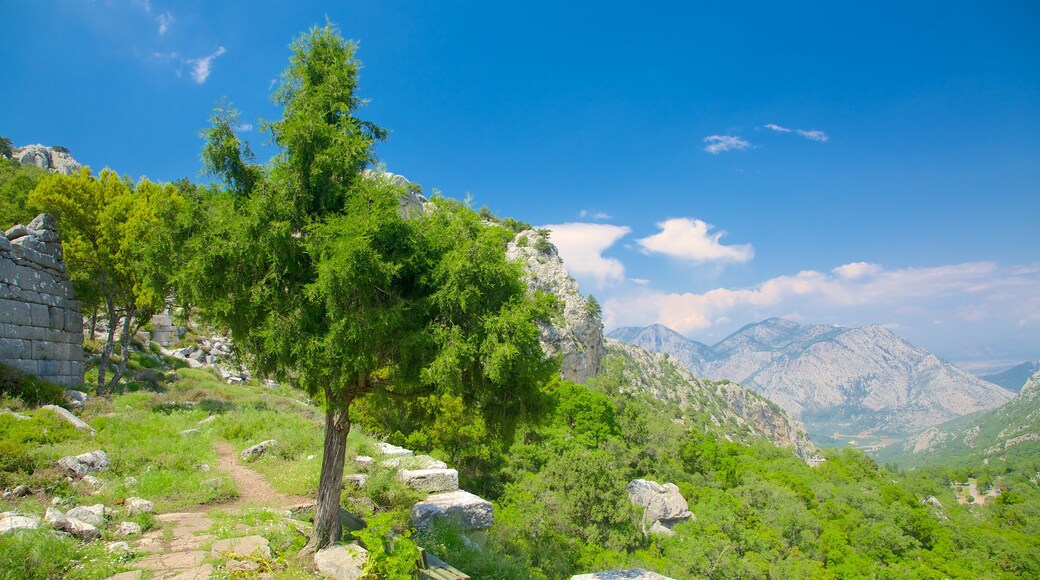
835, 378
1014, 378
53, 159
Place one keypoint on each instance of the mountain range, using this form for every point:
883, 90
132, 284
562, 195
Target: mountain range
866, 385
1015, 377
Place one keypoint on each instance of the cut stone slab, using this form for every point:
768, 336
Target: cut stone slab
247, 546
136, 505
69, 417
473, 512
131, 575
388, 450
85, 464
341, 562
430, 480
258, 450
13, 522
414, 462
633, 574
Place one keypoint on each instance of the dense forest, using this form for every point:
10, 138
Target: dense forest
557, 471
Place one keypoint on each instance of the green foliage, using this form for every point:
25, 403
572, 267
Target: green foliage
448, 542
542, 243
16, 181
28, 389
6, 147
390, 556
42, 554
592, 307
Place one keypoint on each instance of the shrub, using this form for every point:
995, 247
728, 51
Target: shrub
28, 389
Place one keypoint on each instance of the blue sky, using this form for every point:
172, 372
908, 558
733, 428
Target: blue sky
701, 165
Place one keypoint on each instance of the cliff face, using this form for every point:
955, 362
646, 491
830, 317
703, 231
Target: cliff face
577, 334
737, 412
52, 159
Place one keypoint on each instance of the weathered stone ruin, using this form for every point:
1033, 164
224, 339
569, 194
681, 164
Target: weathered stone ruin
41, 323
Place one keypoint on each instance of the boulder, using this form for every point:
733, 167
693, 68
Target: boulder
247, 546
256, 451
54, 518
128, 530
208, 420
388, 450
91, 514
189, 432
118, 547
341, 562
76, 398
933, 501
80, 529
430, 480
21, 491
15, 232
136, 505
69, 417
11, 522
472, 512
663, 505
85, 464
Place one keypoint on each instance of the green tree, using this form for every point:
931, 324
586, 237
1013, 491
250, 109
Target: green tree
118, 247
6, 147
325, 285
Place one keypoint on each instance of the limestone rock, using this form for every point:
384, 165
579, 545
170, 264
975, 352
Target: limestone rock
54, 518
578, 333
49, 158
256, 451
85, 464
388, 450
92, 514
128, 530
430, 480
118, 547
69, 417
341, 562
11, 522
76, 398
136, 505
664, 506
473, 512
80, 529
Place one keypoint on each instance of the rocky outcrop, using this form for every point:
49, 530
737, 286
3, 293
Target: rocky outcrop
840, 379
53, 159
577, 334
663, 506
85, 464
730, 407
41, 322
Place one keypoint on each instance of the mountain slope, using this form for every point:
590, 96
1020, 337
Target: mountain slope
847, 380
660, 338
1015, 377
738, 413
1011, 429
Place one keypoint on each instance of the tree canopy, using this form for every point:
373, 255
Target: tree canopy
326, 285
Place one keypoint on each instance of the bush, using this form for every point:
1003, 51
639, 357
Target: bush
29, 389
42, 554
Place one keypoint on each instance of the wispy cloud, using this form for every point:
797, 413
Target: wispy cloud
595, 215
810, 134
721, 143
974, 293
692, 239
581, 245
244, 127
200, 67
165, 20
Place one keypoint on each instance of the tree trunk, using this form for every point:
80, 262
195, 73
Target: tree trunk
327, 529
110, 346
93, 322
124, 355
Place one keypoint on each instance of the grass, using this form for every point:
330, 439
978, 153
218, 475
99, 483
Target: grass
42, 554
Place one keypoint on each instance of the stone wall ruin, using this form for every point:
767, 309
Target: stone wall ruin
41, 323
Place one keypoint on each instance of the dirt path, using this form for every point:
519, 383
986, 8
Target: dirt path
252, 487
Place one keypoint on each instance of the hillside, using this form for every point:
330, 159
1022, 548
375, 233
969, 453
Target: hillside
844, 383
1015, 377
1009, 431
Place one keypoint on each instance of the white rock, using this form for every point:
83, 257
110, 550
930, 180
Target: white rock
208, 420
258, 450
85, 464
341, 562
136, 505
473, 512
633, 574
388, 450
118, 547
128, 529
69, 417
430, 480
80, 529
189, 432
91, 514
13, 522
54, 518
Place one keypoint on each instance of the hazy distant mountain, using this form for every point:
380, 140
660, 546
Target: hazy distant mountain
838, 379
1011, 429
660, 338
1016, 376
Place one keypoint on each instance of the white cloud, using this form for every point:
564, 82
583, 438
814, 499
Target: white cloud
689, 239
721, 143
810, 134
164, 20
581, 245
244, 127
200, 67
596, 215
975, 293
271, 84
